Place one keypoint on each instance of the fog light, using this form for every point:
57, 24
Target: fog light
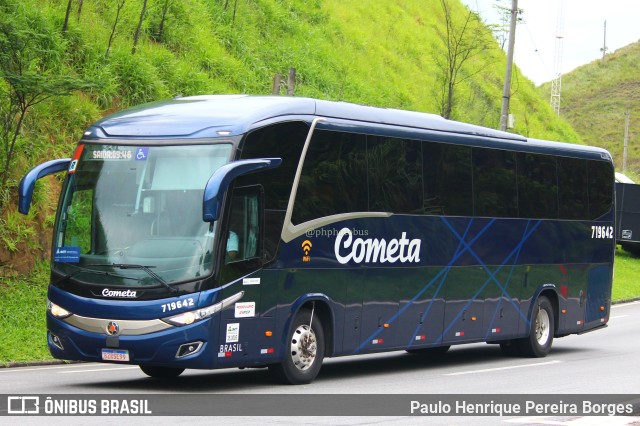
188, 349
55, 340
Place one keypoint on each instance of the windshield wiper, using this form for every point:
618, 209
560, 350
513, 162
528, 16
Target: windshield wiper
74, 273
147, 269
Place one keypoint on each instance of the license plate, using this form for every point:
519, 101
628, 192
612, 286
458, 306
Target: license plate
115, 355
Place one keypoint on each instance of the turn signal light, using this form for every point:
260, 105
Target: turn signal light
268, 333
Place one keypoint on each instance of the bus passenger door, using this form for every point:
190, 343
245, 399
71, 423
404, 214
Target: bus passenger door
243, 325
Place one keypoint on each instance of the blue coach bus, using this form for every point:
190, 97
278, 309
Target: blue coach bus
235, 231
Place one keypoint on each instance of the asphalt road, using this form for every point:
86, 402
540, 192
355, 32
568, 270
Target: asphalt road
602, 362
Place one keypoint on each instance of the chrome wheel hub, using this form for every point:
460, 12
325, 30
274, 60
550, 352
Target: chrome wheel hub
303, 347
542, 327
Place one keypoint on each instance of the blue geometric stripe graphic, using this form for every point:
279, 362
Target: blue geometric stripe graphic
442, 272
465, 247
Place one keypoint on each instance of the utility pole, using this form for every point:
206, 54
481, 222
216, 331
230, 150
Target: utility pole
626, 142
291, 82
604, 43
506, 93
556, 83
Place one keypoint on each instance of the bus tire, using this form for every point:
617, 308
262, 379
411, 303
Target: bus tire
538, 344
161, 372
304, 351
430, 352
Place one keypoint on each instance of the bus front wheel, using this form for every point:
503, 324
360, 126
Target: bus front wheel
304, 351
161, 372
538, 344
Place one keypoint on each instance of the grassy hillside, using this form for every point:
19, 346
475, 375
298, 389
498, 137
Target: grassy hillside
371, 52
595, 98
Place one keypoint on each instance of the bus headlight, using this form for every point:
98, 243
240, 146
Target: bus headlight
189, 317
57, 311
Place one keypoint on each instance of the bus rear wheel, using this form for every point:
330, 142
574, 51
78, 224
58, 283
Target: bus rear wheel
538, 344
304, 351
161, 372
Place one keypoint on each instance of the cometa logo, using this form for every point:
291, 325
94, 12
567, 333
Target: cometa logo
306, 247
119, 293
373, 250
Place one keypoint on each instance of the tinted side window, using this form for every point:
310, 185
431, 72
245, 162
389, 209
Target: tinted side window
494, 183
537, 186
282, 140
334, 177
572, 188
447, 179
244, 228
285, 141
395, 175
600, 188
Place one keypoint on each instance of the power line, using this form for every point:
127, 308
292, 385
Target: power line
537, 51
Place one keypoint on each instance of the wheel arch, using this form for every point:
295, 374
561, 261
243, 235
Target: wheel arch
550, 292
321, 305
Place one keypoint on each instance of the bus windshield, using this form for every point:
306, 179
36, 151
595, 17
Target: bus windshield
132, 216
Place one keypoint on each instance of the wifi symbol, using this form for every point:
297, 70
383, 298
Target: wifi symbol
306, 246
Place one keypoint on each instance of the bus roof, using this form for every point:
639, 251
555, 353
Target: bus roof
204, 116
230, 115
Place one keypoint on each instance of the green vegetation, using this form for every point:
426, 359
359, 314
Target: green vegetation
626, 285
382, 53
595, 98
22, 311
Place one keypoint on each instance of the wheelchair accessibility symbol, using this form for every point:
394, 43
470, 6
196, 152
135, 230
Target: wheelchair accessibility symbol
142, 154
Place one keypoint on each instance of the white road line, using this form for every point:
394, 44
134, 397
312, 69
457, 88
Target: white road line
618, 316
536, 420
576, 421
47, 367
622, 305
97, 369
489, 370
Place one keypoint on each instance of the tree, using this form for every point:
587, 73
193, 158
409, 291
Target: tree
115, 25
79, 10
463, 39
235, 6
66, 17
28, 76
165, 8
137, 35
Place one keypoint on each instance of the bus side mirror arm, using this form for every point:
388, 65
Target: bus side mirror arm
219, 182
28, 182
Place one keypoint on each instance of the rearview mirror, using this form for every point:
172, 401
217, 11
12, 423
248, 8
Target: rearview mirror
219, 182
28, 182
